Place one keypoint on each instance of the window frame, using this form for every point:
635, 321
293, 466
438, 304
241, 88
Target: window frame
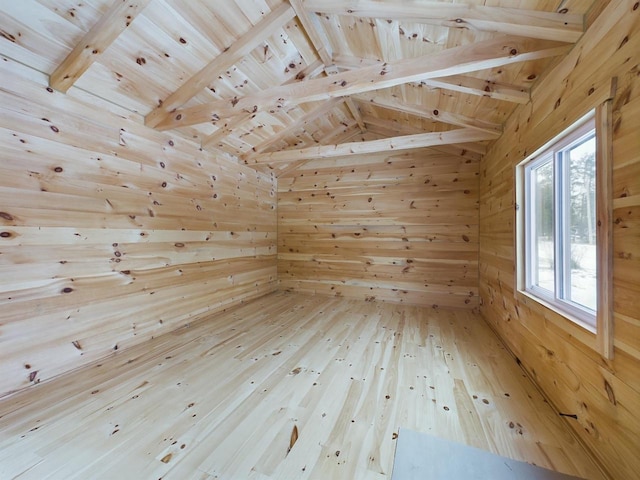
554, 154
596, 332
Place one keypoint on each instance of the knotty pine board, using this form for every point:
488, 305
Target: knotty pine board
396, 227
220, 398
603, 395
112, 233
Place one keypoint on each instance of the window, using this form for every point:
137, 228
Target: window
560, 224
563, 229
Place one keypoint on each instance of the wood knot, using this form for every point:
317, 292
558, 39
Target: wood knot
610, 394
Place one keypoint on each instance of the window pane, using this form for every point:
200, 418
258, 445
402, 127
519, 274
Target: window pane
582, 223
543, 266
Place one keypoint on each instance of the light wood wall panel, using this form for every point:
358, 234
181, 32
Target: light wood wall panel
603, 395
112, 233
393, 227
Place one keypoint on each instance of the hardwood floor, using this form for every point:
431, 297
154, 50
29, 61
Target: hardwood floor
220, 398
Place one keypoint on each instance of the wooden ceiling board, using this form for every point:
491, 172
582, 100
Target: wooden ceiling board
275, 61
136, 73
83, 15
207, 21
305, 128
28, 26
296, 34
168, 42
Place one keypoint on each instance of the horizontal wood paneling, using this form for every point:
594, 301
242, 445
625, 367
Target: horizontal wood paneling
394, 227
604, 395
112, 233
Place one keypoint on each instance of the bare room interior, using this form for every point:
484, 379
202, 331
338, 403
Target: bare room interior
278, 239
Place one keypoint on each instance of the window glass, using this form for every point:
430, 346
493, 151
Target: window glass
543, 264
581, 239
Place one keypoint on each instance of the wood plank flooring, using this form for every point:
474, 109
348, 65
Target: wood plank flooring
219, 399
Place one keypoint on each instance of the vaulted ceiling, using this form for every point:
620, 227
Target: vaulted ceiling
274, 82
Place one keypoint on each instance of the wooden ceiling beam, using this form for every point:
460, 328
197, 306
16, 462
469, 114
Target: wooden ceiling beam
238, 49
490, 53
233, 123
323, 109
339, 135
314, 32
458, 83
95, 42
355, 113
406, 142
322, 47
389, 128
342, 133
483, 88
424, 111
515, 21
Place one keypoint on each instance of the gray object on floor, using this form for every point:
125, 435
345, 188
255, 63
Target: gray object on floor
420, 456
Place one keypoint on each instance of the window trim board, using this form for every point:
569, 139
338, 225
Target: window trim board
601, 337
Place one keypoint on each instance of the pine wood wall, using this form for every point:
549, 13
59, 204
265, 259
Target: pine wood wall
111, 233
394, 227
603, 395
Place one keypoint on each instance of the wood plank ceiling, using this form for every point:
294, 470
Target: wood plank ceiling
274, 82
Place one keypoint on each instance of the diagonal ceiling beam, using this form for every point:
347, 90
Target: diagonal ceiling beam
420, 140
458, 83
529, 23
237, 121
314, 32
483, 88
238, 49
423, 111
340, 135
321, 45
95, 42
300, 123
355, 113
490, 53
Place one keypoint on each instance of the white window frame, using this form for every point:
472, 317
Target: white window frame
561, 237
593, 328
